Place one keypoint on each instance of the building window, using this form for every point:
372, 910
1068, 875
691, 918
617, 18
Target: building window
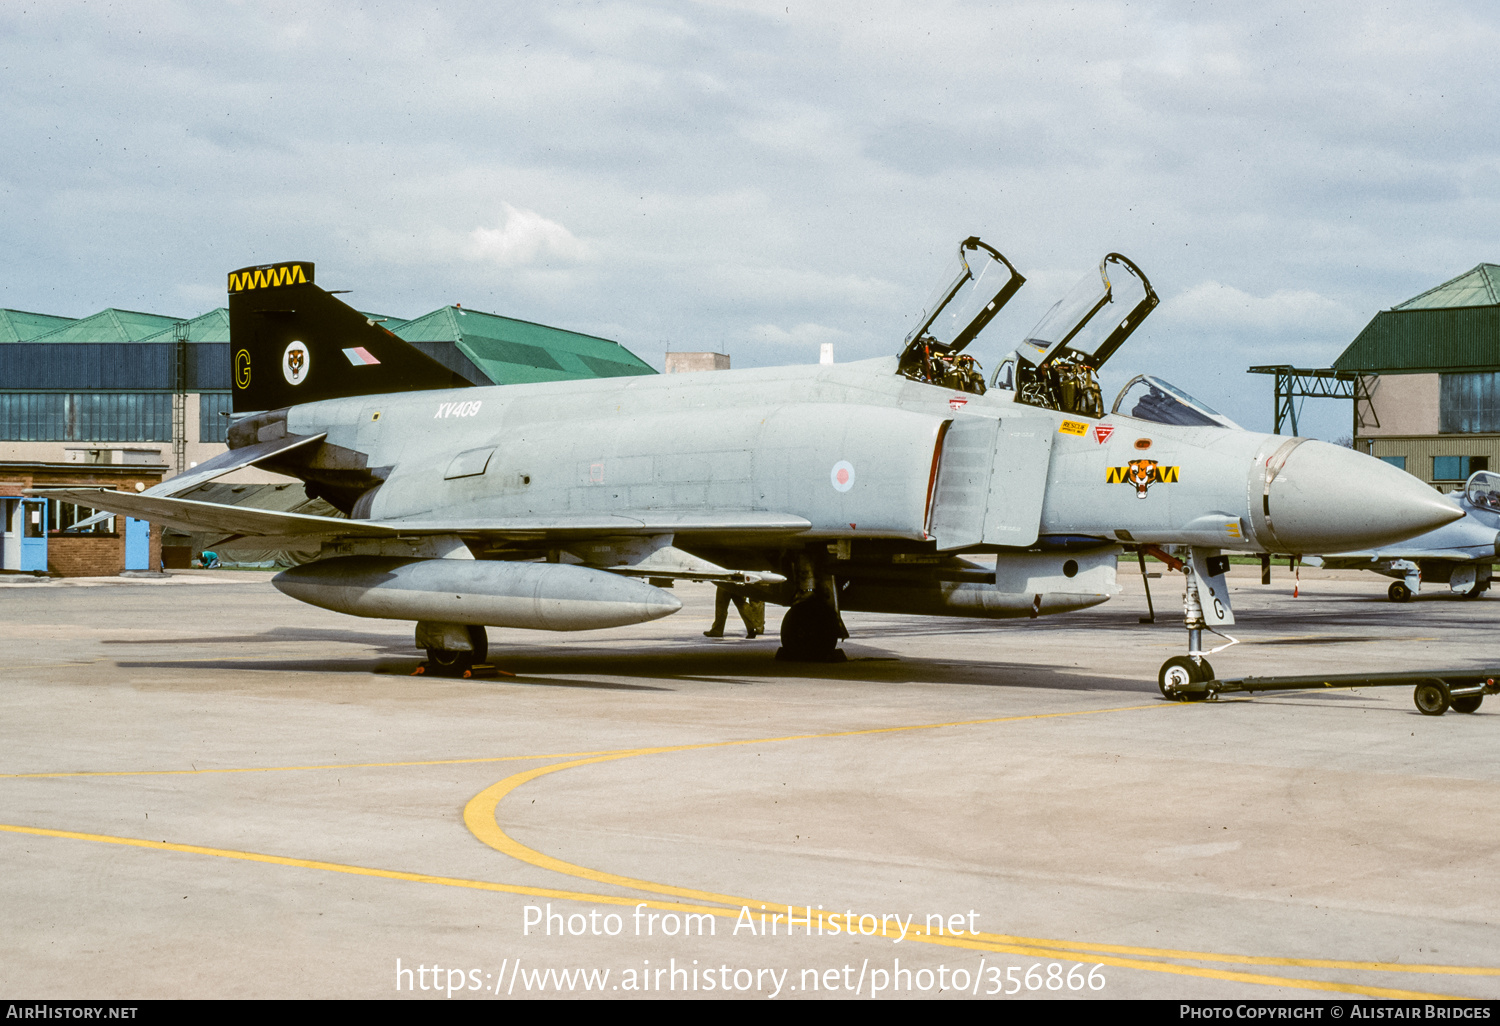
86, 417
211, 426
1457, 468
1469, 403
1399, 462
63, 515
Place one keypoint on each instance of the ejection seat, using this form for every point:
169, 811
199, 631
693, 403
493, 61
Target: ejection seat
973, 289
1057, 366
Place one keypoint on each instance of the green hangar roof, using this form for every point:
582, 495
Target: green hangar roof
19, 325
509, 351
109, 326
1453, 327
126, 349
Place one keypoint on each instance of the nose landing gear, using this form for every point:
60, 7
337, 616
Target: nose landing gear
1179, 672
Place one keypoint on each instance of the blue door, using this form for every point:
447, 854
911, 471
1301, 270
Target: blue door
137, 544
34, 534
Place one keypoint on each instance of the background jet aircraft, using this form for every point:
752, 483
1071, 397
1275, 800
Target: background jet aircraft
1461, 554
566, 505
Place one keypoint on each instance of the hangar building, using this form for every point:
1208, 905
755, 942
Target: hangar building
1431, 372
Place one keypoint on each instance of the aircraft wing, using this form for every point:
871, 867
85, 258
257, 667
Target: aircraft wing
234, 459
243, 521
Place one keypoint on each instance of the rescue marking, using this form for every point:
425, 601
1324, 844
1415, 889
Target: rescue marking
1073, 427
958, 402
1102, 432
842, 476
469, 408
1143, 474
295, 363
359, 356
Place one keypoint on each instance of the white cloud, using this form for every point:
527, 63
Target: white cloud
522, 238
807, 335
1210, 305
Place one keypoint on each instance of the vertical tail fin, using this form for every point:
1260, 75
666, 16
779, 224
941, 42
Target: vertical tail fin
291, 342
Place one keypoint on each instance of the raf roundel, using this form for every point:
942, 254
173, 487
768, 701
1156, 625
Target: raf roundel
294, 363
842, 476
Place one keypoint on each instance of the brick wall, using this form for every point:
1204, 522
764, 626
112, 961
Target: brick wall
86, 556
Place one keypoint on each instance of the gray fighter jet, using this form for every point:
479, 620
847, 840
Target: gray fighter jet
1461, 554
884, 485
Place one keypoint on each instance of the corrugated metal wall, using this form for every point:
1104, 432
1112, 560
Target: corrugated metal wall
1420, 449
123, 365
1414, 341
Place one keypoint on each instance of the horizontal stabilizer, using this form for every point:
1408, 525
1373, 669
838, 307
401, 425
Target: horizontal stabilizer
193, 515
224, 463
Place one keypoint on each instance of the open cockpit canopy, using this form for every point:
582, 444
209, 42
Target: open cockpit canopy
1095, 317
1145, 397
1483, 490
1055, 366
972, 290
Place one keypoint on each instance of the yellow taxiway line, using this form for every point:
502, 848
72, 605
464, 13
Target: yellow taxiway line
480, 817
976, 944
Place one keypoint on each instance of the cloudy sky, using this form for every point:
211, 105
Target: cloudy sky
759, 178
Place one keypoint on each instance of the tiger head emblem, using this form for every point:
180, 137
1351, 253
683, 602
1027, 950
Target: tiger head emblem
1142, 474
294, 363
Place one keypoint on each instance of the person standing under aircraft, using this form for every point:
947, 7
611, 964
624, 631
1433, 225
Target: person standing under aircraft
752, 612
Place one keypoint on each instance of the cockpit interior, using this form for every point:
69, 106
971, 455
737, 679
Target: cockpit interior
975, 286
1146, 397
1056, 367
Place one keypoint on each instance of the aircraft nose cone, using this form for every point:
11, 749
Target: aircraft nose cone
1325, 498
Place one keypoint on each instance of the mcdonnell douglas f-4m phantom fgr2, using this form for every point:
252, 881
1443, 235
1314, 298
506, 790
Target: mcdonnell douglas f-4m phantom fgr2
570, 505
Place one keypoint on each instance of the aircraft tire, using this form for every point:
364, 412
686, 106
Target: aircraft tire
1467, 704
1398, 592
1476, 591
1432, 698
1181, 670
447, 663
809, 632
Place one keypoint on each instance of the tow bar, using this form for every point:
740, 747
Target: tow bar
1434, 691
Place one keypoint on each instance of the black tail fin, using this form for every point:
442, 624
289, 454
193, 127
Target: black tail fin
290, 342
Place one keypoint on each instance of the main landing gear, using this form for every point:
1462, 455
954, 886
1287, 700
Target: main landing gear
453, 649
812, 627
